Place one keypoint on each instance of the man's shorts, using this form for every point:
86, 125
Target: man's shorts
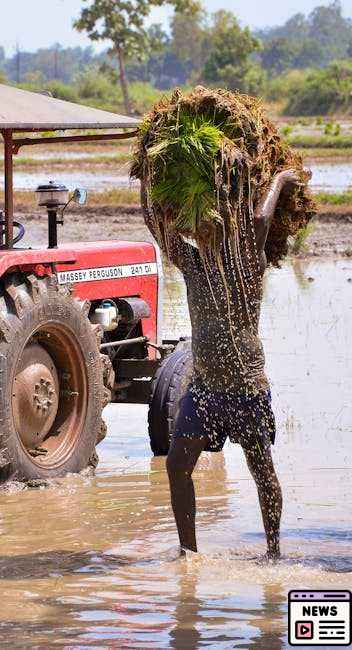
245, 419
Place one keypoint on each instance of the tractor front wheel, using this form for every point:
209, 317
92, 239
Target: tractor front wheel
52, 388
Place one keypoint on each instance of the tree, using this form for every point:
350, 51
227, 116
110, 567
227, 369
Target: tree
278, 55
230, 49
331, 30
311, 53
122, 22
323, 91
320, 38
188, 37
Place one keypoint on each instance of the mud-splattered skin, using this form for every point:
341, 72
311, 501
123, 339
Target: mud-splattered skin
224, 297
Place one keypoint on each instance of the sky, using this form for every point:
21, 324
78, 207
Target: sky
40, 23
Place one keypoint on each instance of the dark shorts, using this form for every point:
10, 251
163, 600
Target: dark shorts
245, 419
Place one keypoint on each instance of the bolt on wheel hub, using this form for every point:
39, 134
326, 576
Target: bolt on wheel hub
44, 395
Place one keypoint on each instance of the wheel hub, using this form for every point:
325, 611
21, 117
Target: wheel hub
44, 395
35, 395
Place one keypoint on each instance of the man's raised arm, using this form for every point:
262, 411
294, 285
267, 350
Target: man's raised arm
265, 209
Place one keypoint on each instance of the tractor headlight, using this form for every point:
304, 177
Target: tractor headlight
52, 195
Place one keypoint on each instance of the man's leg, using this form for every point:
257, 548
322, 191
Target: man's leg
180, 463
260, 464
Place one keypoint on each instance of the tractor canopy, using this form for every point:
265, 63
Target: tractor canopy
23, 113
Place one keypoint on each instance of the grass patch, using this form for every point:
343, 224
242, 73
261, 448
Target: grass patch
325, 154
35, 163
300, 242
320, 142
326, 198
114, 197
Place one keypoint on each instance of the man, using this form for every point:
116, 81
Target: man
229, 394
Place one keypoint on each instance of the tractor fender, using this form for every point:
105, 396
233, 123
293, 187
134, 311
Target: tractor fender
27, 260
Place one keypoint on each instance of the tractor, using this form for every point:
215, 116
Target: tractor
80, 323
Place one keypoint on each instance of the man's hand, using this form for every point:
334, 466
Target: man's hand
289, 179
282, 182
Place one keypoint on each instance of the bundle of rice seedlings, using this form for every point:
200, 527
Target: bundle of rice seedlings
206, 158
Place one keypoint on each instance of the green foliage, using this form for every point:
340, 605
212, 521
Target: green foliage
189, 38
143, 96
322, 91
278, 55
300, 241
56, 88
341, 198
286, 130
312, 41
45, 64
228, 61
118, 21
122, 23
321, 142
292, 66
61, 90
187, 185
280, 87
93, 84
109, 97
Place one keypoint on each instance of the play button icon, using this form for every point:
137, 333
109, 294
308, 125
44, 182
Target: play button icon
304, 629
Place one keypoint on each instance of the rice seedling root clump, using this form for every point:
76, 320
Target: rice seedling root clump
206, 158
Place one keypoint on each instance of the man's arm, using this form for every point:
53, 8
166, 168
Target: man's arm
171, 243
265, 209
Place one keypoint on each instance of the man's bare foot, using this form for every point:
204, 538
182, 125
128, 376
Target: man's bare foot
186, 552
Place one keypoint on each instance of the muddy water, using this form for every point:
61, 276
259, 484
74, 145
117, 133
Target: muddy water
327, 176
94, 180
331, 176
92, 562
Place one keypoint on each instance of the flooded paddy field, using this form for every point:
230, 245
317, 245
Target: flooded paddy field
99, 171
92, 562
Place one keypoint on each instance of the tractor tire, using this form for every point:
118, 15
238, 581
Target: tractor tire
54, 383
168, 386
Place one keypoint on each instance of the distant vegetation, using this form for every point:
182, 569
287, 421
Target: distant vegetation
304, 67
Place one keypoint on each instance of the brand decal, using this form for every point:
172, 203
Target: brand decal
107, 273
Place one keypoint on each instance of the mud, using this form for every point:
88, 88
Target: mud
331, 236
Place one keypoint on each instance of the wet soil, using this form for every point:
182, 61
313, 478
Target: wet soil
331, 237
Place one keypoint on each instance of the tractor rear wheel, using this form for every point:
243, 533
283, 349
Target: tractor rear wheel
54, 382
168, 386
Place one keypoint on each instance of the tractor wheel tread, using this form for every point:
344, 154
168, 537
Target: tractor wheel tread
26, 302
168, 386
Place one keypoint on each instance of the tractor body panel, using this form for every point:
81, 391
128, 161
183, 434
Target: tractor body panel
98, 271
116, 270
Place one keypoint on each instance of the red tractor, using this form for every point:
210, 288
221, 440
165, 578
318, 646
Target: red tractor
80, 324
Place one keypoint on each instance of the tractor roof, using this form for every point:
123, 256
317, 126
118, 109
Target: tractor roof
24, 110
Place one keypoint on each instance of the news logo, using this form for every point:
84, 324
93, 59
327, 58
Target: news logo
318, 618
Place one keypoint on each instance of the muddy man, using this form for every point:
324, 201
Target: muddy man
229, 394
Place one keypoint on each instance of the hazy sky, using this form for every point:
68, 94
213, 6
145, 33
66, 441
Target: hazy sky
39, 23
